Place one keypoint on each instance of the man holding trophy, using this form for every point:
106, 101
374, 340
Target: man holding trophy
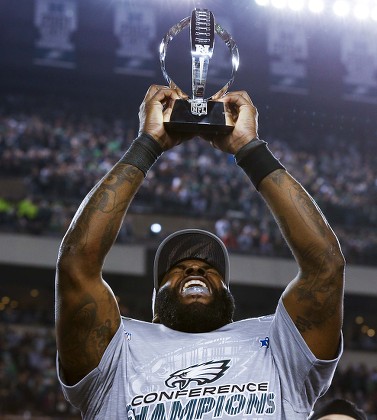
193, 361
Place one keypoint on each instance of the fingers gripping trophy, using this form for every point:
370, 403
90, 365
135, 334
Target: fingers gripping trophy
200, 115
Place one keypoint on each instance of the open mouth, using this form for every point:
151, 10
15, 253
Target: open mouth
195, 286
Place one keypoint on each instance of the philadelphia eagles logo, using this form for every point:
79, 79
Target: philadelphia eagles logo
204, 373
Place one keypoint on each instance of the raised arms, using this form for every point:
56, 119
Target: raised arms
87, 314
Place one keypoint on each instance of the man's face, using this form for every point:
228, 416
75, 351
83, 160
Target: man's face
194, 298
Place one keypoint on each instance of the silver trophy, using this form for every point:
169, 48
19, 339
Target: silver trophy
198, 114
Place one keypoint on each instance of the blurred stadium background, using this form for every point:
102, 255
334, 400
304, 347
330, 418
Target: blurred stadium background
72, 76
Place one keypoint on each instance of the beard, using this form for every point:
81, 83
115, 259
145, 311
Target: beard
194, 317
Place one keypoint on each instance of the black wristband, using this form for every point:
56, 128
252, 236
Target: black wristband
143, 153
257, 161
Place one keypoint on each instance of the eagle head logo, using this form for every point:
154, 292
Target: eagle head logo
204, 373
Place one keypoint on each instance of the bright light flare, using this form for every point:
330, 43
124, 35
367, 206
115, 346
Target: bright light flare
341, 8
279, 4
156, 228
235, 62
373, 14
316, 6
361, 11
296, 5
262, 2
371, 332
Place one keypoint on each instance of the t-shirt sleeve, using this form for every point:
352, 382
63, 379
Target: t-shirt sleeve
90, 391
304, 378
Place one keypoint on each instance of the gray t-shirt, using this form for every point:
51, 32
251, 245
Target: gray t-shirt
254, 369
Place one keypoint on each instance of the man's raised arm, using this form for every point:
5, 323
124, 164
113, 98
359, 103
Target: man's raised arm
314, 299
87, 314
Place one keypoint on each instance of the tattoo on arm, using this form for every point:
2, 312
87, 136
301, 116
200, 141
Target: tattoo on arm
319, 290
306, 207
316, 295
308, 210
277, 177
75, 335
303, 324
83, 339
106, 195
104, 198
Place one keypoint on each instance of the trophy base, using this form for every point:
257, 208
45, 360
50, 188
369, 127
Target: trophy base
183, 121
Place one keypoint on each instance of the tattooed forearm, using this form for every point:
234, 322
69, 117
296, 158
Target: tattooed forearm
102, 211
107, 195
108, 236
299, 218
277, 177
308, 210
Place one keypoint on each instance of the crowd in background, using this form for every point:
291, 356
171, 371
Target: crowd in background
58, 154
28, 380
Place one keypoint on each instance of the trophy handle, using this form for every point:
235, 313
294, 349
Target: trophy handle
172, 32
230, 43
202, 28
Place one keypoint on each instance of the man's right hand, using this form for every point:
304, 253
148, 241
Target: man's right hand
156, 109
243, 115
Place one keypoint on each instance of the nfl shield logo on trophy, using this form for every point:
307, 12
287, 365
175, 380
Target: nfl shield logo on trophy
199, 108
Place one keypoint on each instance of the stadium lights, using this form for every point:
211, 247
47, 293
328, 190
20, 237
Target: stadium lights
155, 228
341, 8
279, 4
359, 9
296, 5
316, 6
373, 13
